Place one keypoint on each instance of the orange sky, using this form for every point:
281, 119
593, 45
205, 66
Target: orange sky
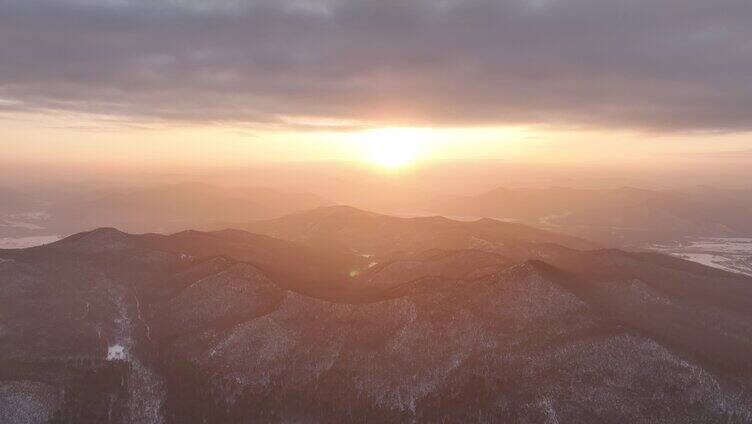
72, 138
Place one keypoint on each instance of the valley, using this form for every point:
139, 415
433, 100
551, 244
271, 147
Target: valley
729, 254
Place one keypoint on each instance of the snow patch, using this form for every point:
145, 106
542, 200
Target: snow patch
729, 254
20, 224
24, 242
116, 353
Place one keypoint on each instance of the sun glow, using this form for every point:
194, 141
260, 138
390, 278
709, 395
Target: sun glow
391, 153
394, 148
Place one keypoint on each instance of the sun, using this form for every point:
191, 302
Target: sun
393, 148
391, 153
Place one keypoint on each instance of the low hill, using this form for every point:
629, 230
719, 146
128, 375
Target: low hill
344, 227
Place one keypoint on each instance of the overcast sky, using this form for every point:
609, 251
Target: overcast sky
645, 63
661, 66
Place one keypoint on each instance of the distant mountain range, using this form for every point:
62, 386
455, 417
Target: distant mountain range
342, 315
614, 216
184, 206
164, 208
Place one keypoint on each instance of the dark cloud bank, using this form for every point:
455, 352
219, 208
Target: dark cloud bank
657, 64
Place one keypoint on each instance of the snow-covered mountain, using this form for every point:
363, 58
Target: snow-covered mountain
362, 317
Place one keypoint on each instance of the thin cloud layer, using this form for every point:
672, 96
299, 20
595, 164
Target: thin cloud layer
641, 64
